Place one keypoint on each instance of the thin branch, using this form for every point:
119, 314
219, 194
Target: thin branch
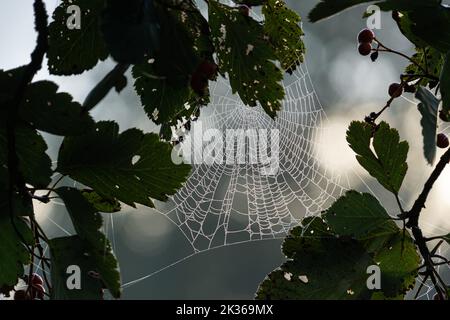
15, 178
419, 204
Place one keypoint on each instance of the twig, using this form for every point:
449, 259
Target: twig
419, 204
15, 178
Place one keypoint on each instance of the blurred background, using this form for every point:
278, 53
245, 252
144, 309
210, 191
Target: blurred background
349, 87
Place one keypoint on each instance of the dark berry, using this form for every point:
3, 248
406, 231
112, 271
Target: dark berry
20, 295
395, 90
37, 291
199, 83
208, 69
366, 36
365, 48
442, 141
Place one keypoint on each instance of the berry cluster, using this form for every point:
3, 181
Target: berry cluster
365, 39
34, 291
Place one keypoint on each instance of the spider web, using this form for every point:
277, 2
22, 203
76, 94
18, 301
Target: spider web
222, 203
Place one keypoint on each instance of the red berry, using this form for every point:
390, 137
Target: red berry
36, 279
366, 36
208, 69
395, 90
20, 295
442, 141
365, 48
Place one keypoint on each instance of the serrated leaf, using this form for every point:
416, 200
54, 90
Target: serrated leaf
445, 88
44, 107
34, 164
247, 57
87, 222
361, 216
131, 167
177, 58
66, 252
163, 99
131, 29
428, 108
387, 163
101, 203
428, 59
398, 261
73, 51
281, 25
13, 254
405, 25
54, 112
319, 268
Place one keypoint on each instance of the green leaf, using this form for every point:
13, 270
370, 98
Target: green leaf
428, 108
164, 100
130, 29
87, 222
66, 252
54, 112
405, 26
328, 8
13, 254
178, 57
34, 164
361, 216
43, 107
163, 81
247, 57
285, 34
445, 88
131, 167
77, 50
318, 268
101, 203
388, 163
430, 23
428, 59
398, 261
